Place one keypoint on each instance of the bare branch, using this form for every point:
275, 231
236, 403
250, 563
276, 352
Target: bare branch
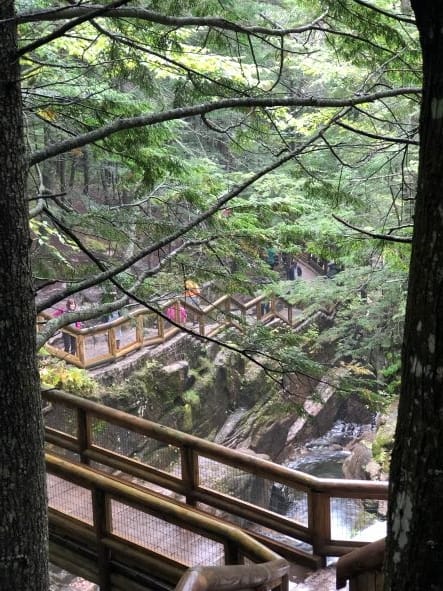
155, 17
375, 136
386, 237
397, 17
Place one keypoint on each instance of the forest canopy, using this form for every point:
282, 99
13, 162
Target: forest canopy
145, 124
129, 131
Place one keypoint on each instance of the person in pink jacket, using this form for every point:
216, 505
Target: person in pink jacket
171, 313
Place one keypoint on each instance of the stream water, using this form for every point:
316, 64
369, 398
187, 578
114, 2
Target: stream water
323, 458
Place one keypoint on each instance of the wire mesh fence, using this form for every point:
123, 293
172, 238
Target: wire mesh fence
261, 492
61, 417
351, 518
130, 444
69, 498
167, 539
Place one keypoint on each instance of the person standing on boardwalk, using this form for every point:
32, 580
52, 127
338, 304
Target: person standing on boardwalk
294, 270
182, 315
192, 293
69, 340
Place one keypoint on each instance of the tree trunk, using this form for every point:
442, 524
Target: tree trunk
23, 522
415, 529
85, 163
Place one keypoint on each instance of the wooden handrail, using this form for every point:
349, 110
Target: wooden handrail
368, 559
272, 569
233, 578
208, 326
318, 491
171, 436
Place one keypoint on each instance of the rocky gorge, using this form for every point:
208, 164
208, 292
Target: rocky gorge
216, 394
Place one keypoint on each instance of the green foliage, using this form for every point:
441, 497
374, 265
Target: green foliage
58, 374
191, 404
391, 374
192, 398
136, 188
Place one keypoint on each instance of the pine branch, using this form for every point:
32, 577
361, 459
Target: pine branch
67, 27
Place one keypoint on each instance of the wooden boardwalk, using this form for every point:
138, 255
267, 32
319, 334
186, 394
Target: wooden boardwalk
100, 344
140, 527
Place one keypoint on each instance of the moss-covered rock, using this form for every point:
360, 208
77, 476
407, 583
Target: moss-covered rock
384, 439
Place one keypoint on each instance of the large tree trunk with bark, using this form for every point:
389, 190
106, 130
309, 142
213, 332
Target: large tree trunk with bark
23, 521
414, 559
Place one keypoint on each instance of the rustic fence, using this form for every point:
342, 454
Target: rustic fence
211, 477
116, 534
143, 328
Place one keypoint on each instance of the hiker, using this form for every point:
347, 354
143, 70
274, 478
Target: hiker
192, 293
69, 340
171, 313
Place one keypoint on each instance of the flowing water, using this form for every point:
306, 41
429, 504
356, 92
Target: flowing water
323, 457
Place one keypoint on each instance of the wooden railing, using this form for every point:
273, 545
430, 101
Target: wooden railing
142, 328
200, 473
111, 532
363, 568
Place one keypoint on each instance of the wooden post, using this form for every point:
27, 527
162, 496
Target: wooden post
372, 581
190, 472
258, 309
319, 522
80, 347
111, 342
177, 312
290, 313
102, 523
232, 553
83, 434
139, 329
274, 306
160, 327
201, 324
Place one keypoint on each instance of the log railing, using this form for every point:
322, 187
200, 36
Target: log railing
362, 568
116, 534
209, 476
143, 328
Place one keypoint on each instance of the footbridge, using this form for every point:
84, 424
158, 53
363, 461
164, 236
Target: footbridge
185, 512
141, 328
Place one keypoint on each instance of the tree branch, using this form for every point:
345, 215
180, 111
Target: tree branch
183, 112
219, 204
161, 19
375, 136
67, 27
397, 17
386, 237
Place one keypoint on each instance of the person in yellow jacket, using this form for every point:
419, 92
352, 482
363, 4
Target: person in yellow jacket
192, 294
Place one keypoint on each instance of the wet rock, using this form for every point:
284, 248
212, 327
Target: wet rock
354, 467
